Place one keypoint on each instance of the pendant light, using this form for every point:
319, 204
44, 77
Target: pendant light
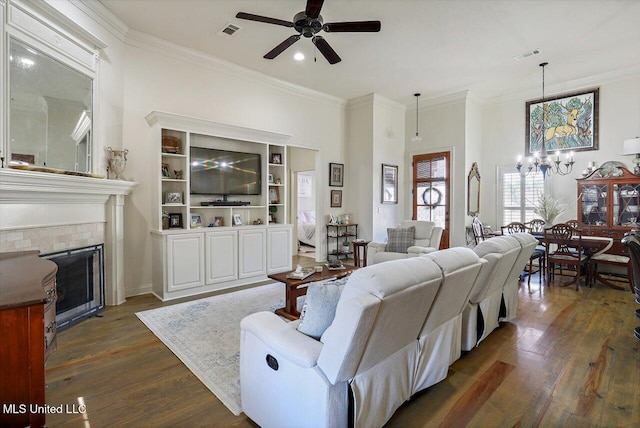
417, 137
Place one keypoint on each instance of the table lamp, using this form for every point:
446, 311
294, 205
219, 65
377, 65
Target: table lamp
632, 147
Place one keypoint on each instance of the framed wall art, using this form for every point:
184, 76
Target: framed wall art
336, 174
571, 123
336, 198
389, 185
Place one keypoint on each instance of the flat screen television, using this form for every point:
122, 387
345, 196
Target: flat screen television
222, 172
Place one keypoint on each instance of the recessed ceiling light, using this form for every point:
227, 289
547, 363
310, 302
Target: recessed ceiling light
299, 56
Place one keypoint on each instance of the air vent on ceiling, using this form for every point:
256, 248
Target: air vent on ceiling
527, 54
229, 30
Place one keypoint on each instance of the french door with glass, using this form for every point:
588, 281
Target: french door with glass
431, 184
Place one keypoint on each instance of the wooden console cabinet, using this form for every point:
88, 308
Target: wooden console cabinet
608, 205
27, 334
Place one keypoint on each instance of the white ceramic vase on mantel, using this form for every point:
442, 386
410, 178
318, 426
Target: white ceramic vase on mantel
117, 161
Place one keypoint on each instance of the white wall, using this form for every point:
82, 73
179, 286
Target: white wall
166, 78
358, 171
388, 145
442, 128
503, 125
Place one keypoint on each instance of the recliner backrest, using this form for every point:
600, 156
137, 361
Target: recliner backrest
427, 233
380, 311
460, 267
527, 244
494, 276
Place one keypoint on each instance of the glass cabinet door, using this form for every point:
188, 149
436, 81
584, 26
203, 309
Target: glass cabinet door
625, 209
594, 204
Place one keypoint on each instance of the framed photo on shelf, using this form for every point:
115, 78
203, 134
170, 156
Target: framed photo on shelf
196, 221
165, 170
276, 158
270, 178
274, 195
336, 175
237, 220
173, 198
175, 220
389, 185
218, 222
336, 198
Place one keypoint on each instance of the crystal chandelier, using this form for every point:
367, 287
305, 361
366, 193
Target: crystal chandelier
541, 161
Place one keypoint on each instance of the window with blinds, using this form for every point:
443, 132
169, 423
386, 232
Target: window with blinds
519, 195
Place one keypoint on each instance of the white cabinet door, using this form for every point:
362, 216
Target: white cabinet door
222, 256
185, 261
278, 249
252, 254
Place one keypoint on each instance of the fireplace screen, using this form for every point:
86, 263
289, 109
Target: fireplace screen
80, 284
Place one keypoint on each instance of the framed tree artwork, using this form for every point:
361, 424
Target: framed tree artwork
565, 123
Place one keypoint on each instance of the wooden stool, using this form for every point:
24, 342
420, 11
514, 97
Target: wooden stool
356, 253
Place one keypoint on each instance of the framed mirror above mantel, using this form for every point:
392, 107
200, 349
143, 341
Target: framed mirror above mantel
51, 96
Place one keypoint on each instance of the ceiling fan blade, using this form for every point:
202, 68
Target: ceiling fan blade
326, 50
265, 19
313, 8
352, 27
282, 47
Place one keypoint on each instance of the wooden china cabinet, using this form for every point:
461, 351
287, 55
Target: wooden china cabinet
608, 203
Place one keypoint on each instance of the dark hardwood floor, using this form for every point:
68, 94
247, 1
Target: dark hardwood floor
569, 359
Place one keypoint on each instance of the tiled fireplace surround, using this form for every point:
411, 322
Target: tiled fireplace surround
55, 212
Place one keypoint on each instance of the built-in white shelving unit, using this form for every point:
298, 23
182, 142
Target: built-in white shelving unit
192, 240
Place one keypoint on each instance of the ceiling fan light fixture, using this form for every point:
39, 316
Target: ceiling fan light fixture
299, 56
416, 137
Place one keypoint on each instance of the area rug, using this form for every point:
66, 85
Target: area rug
205, 335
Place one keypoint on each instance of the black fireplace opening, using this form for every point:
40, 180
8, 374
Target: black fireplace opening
79, 284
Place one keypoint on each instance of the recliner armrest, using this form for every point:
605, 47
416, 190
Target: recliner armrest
283, 338
420, 250
377, 246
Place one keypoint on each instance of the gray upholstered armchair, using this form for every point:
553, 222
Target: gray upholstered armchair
411, 239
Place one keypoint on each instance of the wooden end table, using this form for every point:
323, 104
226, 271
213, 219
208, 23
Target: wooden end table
360, 247
295, 288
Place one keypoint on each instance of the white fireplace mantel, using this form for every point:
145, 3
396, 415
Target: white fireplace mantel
30, 199
19, 186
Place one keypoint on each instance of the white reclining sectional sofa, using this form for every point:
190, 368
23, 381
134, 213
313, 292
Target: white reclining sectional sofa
398, 326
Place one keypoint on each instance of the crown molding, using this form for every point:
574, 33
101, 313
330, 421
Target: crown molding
103, 16
181, 53
440, 101
209, 127
375, 99
571, 85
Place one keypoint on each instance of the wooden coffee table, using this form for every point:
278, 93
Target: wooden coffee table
295, 288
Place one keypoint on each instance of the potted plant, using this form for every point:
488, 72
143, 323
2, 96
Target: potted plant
549, 209
345, 246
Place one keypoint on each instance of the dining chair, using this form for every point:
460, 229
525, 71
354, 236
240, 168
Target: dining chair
631, 240
478, 230
538, 253
568, 252
536, 225
573, 223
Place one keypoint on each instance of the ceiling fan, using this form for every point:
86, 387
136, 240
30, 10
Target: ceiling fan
309, 23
